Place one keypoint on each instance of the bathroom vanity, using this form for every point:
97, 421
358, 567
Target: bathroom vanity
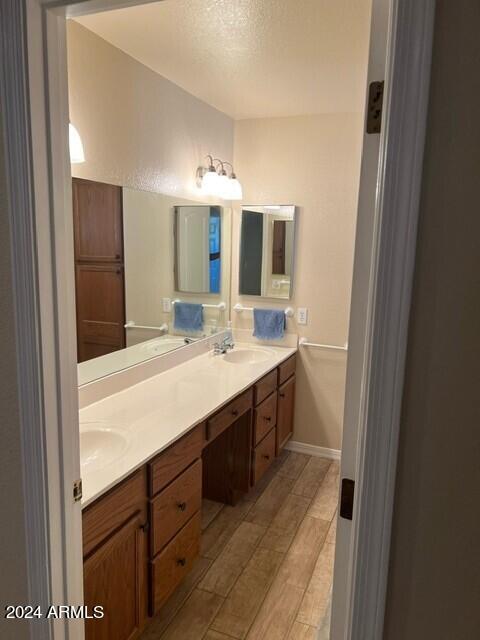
211, 435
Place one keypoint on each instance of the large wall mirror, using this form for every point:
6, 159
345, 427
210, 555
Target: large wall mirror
267, 250
138, 256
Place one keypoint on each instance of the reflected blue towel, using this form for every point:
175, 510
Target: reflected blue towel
268, 324
188, 316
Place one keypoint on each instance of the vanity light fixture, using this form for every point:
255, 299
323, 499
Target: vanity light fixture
214, 180
77, 154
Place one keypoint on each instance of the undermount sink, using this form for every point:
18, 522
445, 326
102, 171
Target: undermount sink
100, 445
247, 356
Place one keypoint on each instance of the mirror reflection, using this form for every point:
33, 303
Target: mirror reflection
267, 251
197, 249
151, 275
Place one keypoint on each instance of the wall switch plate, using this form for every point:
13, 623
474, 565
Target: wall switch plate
166, 305
302, 315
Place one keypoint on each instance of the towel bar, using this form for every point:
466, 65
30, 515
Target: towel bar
289, 311
131, 324
334, 347
221, 305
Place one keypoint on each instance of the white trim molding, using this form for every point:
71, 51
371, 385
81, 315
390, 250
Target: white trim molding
14, 97
313, 450
397, 208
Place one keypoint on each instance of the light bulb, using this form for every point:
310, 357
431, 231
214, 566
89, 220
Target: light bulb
223, 190
235, 189
77, 154
210, 182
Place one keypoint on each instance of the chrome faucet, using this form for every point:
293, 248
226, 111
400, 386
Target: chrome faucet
224, 346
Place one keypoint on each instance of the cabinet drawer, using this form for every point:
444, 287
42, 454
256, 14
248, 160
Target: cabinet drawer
170, 463
227, 416
174, 562
265, 417
265, 386
110, 511
287, 369
264, 456
174, 506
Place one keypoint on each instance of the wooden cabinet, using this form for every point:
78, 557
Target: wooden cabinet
98, 221
170, 463
131, 572
175, 505
264, 455
115, 578
170, 566
285, 411
99, 269
100, 310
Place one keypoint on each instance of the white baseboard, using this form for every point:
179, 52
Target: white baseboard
313, 450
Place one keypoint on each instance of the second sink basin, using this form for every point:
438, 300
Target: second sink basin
100, 445
247, 356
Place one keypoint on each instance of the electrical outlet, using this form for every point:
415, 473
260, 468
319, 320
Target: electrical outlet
302, 315
166, 305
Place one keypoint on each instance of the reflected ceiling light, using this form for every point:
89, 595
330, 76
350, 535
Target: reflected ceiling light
77, 154
214, 180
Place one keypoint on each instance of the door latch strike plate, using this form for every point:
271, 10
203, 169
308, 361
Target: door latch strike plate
77, 490
375, 107
346, 498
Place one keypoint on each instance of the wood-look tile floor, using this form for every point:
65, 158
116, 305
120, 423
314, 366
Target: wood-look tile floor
266, 565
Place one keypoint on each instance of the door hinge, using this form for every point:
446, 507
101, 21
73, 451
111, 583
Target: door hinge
77, 490
375, 107
346, 498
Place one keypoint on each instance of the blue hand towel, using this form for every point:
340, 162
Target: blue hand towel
188, 316
268, 324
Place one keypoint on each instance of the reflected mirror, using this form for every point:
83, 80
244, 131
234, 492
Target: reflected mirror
138, 256
267, 251
197, 249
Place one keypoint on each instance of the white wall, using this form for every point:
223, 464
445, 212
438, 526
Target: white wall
139, 130
312, 162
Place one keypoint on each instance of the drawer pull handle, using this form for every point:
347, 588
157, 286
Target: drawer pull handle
235, 412
182, 506
268, 418
266, 456
181, 562
282, 395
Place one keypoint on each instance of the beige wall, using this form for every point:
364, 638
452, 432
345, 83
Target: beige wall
139, 130
13, 581
312, 162
434, 584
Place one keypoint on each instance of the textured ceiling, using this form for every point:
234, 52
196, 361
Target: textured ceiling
251, 58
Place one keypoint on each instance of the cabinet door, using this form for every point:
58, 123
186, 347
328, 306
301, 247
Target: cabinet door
286, 405
97, 217
115, 577
100, 310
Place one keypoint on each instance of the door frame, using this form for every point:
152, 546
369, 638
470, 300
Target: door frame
34, 96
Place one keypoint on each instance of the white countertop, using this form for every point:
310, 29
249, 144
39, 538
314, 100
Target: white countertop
152, 414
